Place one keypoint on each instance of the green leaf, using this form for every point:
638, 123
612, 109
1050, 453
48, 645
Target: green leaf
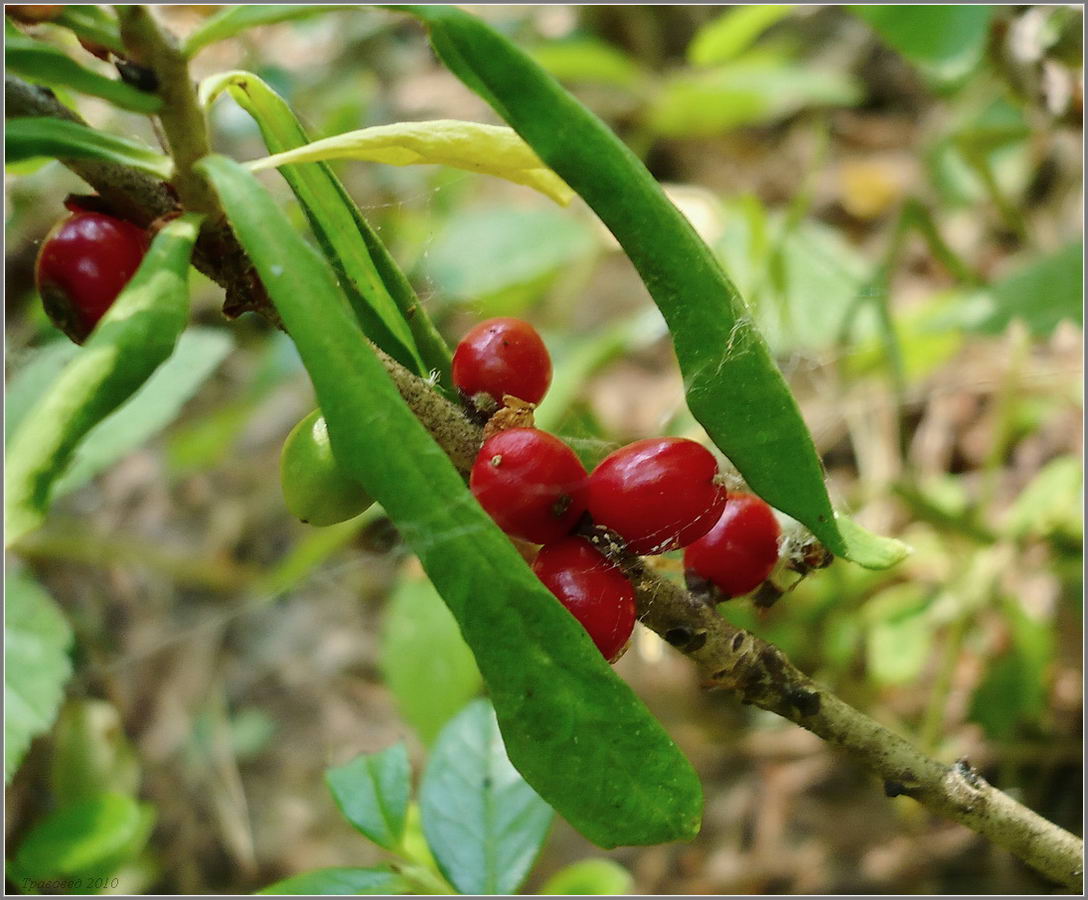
900, 634
342, 880
483, 823
426, 663
733, 387
945, 41
134, 338
198, 354
36, 642
571, 726
1014, 690
46, 64
91, 754
1051, 502
472, 146
745, 92
733, 32
590, 876
372, 792
482, 252
588, 60
232, 20
32, 378
33, 138
1042, 293
90, 839
383, 300
93, 24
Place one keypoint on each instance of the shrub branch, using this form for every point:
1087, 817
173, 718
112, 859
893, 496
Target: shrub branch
727, 657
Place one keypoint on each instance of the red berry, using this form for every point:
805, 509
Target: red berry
502, 356
593, 589
658, 494
83, 264
531, 484
740, 551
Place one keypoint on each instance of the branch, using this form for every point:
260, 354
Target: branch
728, 658
142, 199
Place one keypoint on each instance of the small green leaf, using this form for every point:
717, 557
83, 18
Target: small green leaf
372, 792
33, 138
734, 389
50, 65
89, 839
571, 726
945, 41
380, 295
134, 338
36, 641
900, 633
426, 663
198, 354
733, 32
588, 60
745, 92
590, 876
1041, 293
1051, 502
232, 20
91, 754
472, 146
483, 823
342, 880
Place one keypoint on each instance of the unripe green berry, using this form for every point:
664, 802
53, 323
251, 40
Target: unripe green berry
315, 488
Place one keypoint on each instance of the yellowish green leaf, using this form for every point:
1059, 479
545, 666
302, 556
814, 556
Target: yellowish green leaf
472, 146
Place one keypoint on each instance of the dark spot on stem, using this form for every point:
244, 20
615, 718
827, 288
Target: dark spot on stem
678, 637
806, 701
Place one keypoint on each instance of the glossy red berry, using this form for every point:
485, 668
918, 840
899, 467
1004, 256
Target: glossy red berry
531, 484
595, 591
658, 494
740, 551
502, 356
83, 264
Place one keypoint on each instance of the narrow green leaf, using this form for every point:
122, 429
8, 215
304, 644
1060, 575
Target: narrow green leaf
472, 146
136, 335
36, 641
93, 24
734, 388
232, 20
372, 792
342, 880
945, 40
571, 726
483, 823
424, 659
733, 32
155, 405
383, 300
50, 65
30, 138
89, 839
590, 876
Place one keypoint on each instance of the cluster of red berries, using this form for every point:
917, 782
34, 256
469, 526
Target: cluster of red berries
83, 264
655, 495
